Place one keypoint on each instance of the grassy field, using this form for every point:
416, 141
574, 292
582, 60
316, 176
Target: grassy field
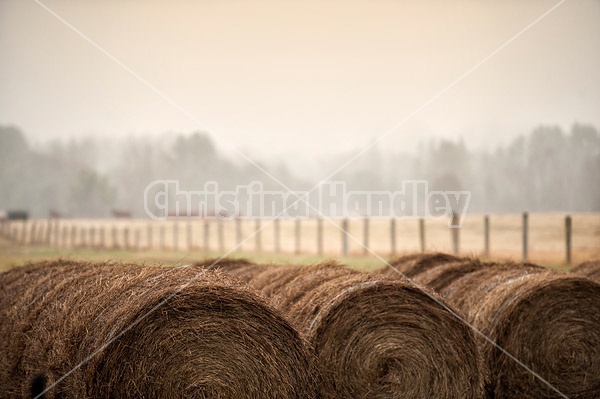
12, 255
180, 241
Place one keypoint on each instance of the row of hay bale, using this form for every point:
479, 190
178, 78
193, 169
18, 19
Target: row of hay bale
590, 269
235, 329
129, 331
374, 336
540, 330
111, 331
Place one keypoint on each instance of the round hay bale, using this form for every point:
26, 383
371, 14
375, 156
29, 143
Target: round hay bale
411, 265
548, 321
239, 268
438, 270
589, 269
441, 276
375, 337
129, 331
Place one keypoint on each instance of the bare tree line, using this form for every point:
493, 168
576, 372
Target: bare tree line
546, 170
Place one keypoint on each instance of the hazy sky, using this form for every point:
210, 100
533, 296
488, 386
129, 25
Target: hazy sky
273, 77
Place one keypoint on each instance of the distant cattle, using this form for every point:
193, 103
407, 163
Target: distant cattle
54, 214
14, 215
121, 213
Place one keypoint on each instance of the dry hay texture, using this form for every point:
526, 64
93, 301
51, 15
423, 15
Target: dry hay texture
548, 321
589, 269
374, 337
213, 338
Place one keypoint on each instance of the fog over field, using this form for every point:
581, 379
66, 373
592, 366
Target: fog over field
546, 170
100, 98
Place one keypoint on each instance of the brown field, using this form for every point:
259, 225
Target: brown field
546, 240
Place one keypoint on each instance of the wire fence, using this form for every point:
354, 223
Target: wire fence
546, 237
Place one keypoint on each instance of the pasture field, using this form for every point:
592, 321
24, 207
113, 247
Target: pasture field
12, 255
184, 241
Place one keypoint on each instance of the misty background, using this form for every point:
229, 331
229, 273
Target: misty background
548, 169
300, 88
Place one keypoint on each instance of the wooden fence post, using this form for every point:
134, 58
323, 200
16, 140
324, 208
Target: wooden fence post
277, 231
126, 238
319, 236
486, 235
74, 236
48, 232
422, 234
114, 241
525, 235
258, 243
238, 233
162, 239
149, 240
206, 235
175, 236
136, 238
366, 236
190, 236
32, 233
102, 240
568, 238
56, 232
393, 236
455, 231
92, 237
36, 232
83, 237
297, 236
24, 233
65, 237
345, 237
41, 233
221, 235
